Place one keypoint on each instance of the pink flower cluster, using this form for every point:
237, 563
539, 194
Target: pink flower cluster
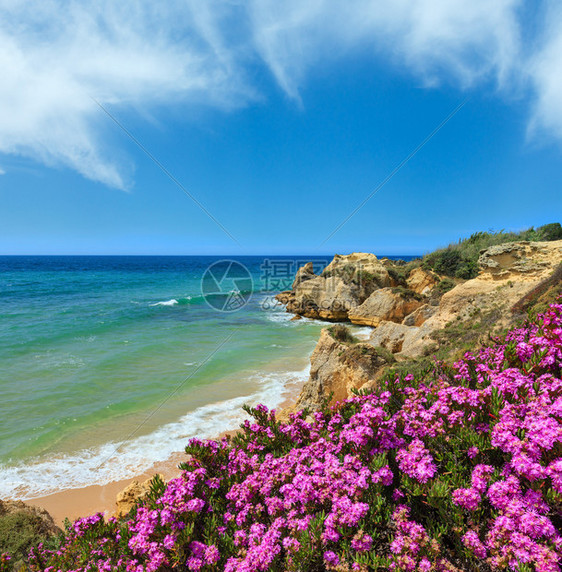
5, 562
458, 466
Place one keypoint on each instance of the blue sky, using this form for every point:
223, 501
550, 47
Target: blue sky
280, 118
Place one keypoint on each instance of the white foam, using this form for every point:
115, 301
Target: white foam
274, 311
363, 333
279, 317
323, 323
171, 302
125, 460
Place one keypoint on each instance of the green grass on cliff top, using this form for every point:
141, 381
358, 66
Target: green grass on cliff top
460, 259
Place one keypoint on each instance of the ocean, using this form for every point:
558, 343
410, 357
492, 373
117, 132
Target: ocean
109, 364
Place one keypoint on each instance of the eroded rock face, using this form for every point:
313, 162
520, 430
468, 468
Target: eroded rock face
516, 259
390, 335
128, 497
383, 305
509, 273
337, 367
419, 315
422, 281
303, 274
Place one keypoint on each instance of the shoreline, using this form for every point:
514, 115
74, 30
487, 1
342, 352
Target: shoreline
91, 499
84, 501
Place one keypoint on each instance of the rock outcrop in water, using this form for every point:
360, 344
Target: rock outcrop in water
335, 295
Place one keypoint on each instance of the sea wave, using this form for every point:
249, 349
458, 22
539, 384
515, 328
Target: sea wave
199, 299
171, 302
116, 461
280, 317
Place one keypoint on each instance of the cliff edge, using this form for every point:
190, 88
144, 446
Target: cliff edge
414, 311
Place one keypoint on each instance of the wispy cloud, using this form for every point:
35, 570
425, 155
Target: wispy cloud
56, 55
545, 71
435, 39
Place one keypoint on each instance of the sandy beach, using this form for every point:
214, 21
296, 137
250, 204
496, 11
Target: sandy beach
81, 502
77, 503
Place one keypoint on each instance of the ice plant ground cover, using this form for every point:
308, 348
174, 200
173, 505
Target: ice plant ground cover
459, 469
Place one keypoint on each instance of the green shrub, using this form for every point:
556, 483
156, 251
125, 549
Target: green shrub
445, 262
460, 260
552, 231
444, 286
19, 531
341, 333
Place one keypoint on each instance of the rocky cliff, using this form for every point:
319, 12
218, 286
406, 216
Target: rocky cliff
344, 285
339, 364
410, 309
508, 273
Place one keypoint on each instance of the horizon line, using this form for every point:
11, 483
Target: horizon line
213, 255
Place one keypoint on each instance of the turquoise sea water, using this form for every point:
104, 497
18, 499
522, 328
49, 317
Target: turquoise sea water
99, 354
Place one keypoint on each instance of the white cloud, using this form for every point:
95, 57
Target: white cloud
545, 71
2, 172
468, 39
56, 55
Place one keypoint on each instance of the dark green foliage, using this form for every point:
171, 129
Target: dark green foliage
445, 262
467, 269
407, 293
18, 532
552, 231
452, 262
444, 286
341, 333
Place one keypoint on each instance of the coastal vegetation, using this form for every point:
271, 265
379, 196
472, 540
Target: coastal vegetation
18, 533
435, 445
458, 467
460, 259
